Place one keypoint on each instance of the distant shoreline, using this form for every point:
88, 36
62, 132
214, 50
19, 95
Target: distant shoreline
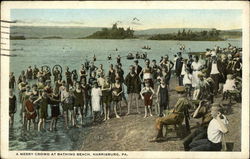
119, 33
82, 38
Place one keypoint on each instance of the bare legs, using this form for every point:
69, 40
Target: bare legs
148, 110
41, 124
115, 109
131, 97
82, 114
29, 123
53, 124
65, 113
11, 120
72, 117
106, 111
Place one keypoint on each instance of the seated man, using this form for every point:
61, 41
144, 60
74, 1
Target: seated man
176, 116
216, 128
230, 90
203, 111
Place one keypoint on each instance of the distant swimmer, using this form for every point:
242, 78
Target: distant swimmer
109, 57
116, 49
182, 47
118, 59
94, 58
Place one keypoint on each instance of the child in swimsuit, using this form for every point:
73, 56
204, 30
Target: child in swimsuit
147, 95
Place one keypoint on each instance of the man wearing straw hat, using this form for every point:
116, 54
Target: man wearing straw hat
215, 131
176, 117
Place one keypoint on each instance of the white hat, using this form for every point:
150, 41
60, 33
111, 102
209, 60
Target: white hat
213, 53
208, 53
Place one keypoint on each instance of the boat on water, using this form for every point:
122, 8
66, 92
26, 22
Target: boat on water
137, 55
201, 54
141, 55
146, 47
130, 56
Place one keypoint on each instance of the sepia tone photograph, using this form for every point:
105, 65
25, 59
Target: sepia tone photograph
102, 81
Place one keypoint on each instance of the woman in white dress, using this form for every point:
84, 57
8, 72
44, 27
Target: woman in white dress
96, 94
230, 84
196, 67
229, 87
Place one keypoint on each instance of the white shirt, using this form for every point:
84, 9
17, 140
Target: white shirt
147, 76
196, 66
183, 71
187, 79
174, 62
64, 95
229, 85
214, 132
96, 94
101, 81
214, 69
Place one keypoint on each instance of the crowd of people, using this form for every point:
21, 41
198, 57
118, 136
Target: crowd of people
92, 91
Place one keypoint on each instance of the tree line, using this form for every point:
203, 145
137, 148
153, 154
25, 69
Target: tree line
204, 35
113, 33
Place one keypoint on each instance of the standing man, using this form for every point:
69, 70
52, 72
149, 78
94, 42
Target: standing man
138, 68
68, 75
57, 74
133, 83
178, 67
35, 72
12, 80
29, 73
215, 72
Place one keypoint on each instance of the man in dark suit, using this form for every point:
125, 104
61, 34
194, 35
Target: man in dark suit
133, 83
138, 68
216, 72
178, 67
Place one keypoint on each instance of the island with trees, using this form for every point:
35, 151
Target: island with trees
205, 35
113, 33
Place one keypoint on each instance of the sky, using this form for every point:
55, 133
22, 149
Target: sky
145, 18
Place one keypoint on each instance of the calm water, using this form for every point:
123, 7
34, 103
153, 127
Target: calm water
72, 53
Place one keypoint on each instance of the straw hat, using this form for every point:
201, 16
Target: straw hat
180, 89
223, 56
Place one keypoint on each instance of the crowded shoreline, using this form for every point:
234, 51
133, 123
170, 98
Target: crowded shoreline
102, 87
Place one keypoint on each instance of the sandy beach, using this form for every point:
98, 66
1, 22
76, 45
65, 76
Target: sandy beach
131, 133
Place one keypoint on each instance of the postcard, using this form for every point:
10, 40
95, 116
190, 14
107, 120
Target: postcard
141, 79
